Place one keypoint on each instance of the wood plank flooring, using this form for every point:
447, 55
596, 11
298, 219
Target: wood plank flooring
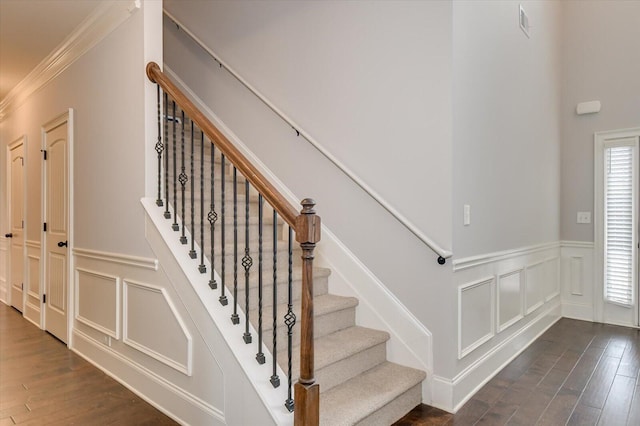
44, 383
577, 373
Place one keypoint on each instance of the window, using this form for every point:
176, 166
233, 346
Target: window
619, 221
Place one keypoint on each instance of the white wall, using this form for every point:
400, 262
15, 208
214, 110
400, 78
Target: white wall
362, 78
506, 133
127, 316
601, 60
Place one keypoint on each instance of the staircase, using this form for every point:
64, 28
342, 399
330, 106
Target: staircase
357, 383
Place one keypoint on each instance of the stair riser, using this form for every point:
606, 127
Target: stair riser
323, 326
320, 287
396, 409
343, 370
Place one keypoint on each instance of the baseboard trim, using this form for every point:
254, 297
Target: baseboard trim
450, 394
472, 261
123, 259
90, 349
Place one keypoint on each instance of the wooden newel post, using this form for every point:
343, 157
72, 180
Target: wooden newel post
306, 390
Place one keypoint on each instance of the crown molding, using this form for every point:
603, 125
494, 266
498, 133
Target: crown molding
100, 23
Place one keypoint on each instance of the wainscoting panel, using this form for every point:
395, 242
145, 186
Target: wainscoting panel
535, 286
98, 301
32, 283
577, 280
4, 267
475, 314
505, 300
510, 298
148, 308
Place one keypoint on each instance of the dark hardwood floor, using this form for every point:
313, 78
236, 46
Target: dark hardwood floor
44, 383
577, 373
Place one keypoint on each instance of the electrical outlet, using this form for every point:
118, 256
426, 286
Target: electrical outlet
584, 217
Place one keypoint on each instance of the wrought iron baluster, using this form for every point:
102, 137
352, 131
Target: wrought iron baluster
202, 267
183, 180
290, 321
192, 252
275, 379
167, 213
223, 298
260, 354
175, 225
234, 317
213, 218
247, 262
159, 148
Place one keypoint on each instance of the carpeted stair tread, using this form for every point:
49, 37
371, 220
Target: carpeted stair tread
322, 305
355, 399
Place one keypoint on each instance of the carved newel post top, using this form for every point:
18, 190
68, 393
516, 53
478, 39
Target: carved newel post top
308, 223
307, 206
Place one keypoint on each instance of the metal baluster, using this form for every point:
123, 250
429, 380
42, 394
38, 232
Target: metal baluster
260, 354
159, 149
234, 317
213, 218
290, 321
192, 252
247, 262
175, 225
223, 298
275, 380
202, 267
183, 180
167, 213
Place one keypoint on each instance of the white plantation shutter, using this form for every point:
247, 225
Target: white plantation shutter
619, 227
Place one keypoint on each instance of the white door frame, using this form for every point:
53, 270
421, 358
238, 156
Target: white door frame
68, 117
22, 140
598, 212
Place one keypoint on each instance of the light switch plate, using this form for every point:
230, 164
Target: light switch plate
467, 215
584, 217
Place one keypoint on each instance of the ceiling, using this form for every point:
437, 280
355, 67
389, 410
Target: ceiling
30, 30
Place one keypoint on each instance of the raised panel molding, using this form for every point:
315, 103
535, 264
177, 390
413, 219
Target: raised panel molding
101, 293
152, 325
33, 280
575, 274
3, 269
552, 266
510, 299
534, 286
476, 324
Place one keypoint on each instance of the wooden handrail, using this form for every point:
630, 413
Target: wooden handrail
306, 225
259, 182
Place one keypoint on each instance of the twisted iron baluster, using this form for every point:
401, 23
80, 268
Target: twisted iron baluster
175, 225
223, 298
159, 149
202, 267
247, 262
183, 179
234, 317
213, 218
275, 380
290, 321
167, 213
192, 252
260, 354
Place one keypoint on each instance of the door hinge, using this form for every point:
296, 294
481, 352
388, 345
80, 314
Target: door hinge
44, 153
44, 227
22, 286
44, 298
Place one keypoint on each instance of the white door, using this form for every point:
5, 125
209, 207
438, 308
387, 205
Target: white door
617, 227
16, 220
56, 202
